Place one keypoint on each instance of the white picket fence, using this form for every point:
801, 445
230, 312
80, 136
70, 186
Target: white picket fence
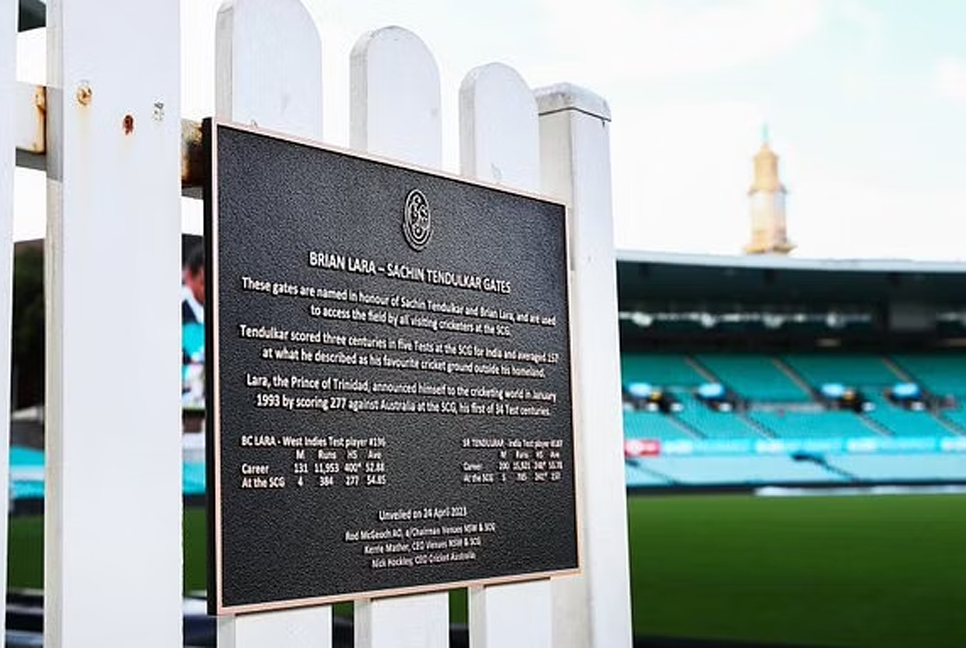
114, 162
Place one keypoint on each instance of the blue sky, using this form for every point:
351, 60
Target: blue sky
865, 99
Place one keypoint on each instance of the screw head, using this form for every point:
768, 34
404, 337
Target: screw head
84, 93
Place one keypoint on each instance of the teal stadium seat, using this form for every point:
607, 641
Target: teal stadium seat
653, 425
958, 417
942, 374
26, 472
851, 369
663, 369
905, 423
712, 424
811, 425
754, 376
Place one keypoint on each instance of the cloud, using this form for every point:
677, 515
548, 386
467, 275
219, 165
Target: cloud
848, 218
681, 172
949, 79
624, 40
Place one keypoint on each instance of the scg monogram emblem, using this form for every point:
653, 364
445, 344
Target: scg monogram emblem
417, 221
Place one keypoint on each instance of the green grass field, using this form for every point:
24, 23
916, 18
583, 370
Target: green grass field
886, 571
823, 571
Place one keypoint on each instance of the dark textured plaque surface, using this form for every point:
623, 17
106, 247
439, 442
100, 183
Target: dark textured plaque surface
477, 483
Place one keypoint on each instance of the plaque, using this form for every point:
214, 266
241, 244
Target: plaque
388, 378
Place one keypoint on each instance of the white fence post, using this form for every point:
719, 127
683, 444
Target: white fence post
268, 72
394, 111
403, 622
268, 66
113, 500
515, 616
394, 98
310, 626
500, 142
8, 75
594, 609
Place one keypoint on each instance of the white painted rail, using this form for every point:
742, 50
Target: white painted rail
112, 253
500, 142
594, 609
268, 71
394, 111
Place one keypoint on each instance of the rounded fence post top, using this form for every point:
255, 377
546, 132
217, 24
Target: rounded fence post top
491, 69
391, 33
567, 96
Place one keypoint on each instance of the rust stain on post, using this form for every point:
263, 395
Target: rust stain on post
84, 93
192, 155
39, 141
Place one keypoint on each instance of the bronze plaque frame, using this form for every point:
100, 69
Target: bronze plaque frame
389, 384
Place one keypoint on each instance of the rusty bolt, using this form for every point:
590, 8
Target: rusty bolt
128, 124
84, 93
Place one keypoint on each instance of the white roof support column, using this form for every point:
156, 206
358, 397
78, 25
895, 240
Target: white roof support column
112, 252
594, 609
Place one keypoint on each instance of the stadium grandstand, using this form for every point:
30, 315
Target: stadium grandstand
770, 370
